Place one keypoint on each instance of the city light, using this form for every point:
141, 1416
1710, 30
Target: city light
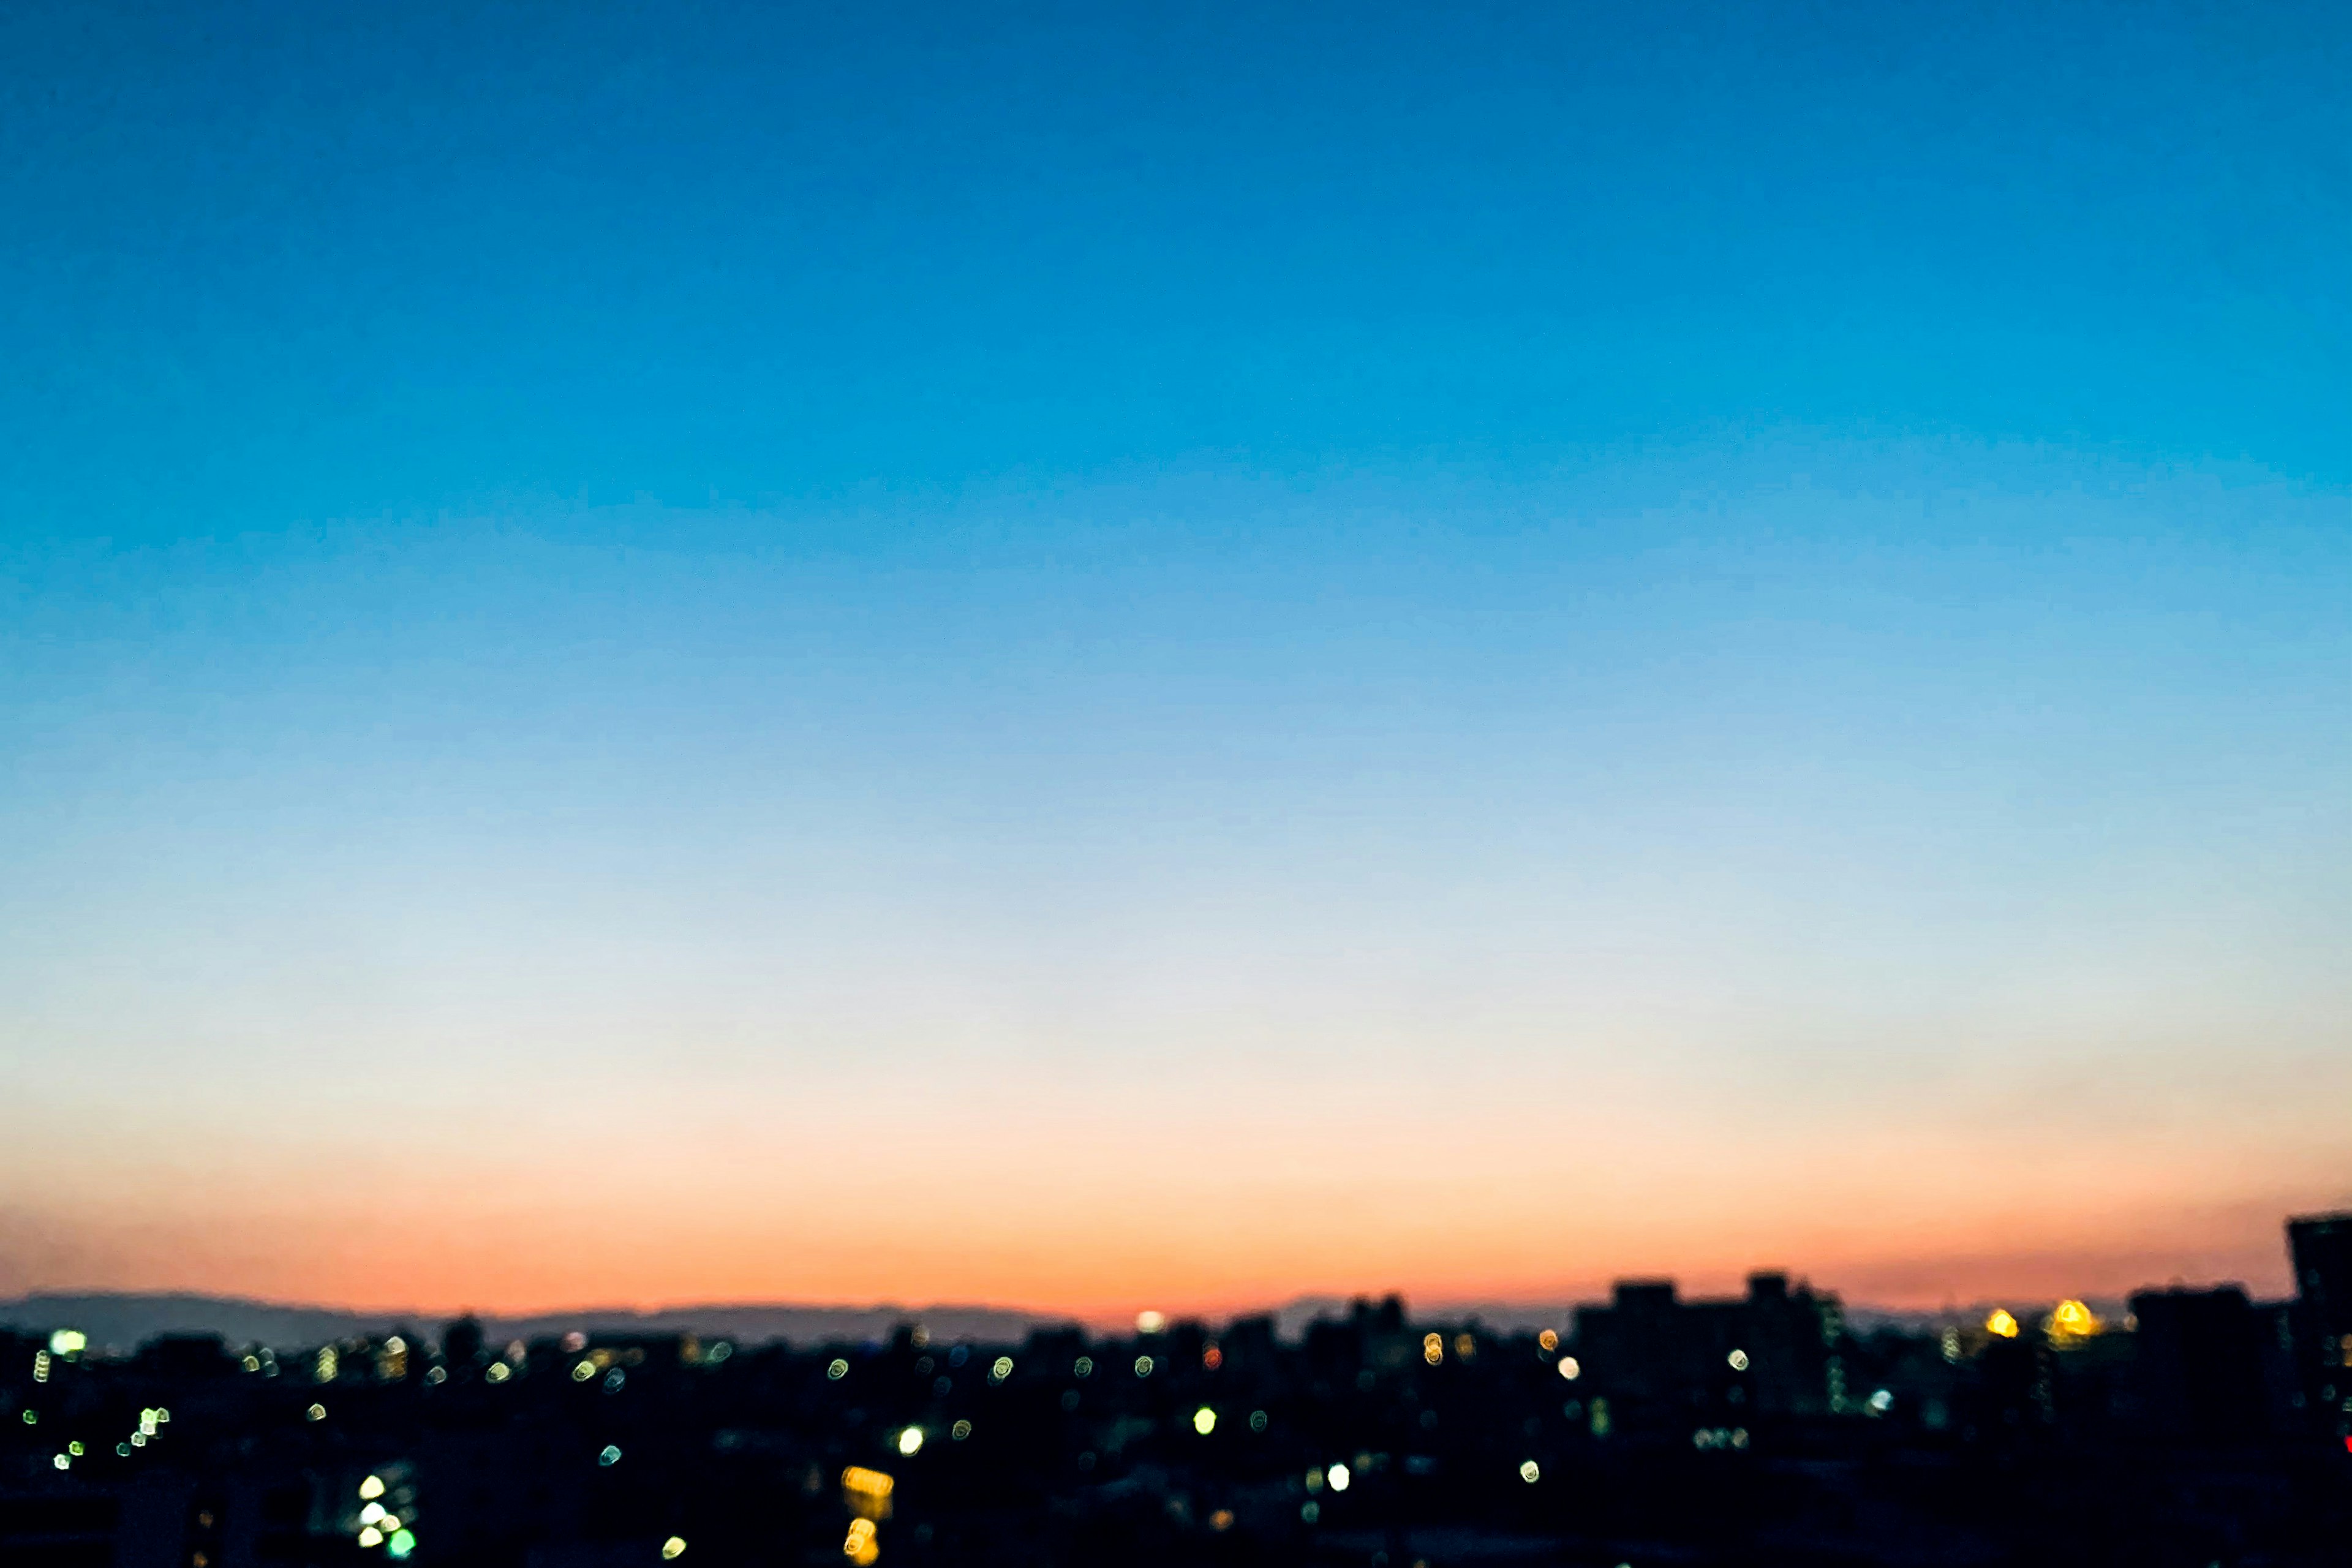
836, 1369
910, 1441
609, 1455
401, 1544
673, 1549
1569, 1368
1149, 1322
959, 1431
2071, 1321
861, 1547
316, 1413
1144, 1365
1432, 1348
1337, 1478
1547, 1342
1738, 1360
1529, 1471
372, 1489
67, 1342
1205, 1421
1000, 1369
2001, 1325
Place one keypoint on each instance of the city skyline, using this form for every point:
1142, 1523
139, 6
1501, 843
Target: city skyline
1171, 661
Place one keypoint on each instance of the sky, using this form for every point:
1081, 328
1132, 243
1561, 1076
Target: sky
1100, 657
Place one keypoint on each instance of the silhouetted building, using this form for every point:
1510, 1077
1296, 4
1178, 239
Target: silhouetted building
2198, 1367
2321, 1248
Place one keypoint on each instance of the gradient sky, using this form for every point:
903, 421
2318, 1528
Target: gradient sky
1096, 657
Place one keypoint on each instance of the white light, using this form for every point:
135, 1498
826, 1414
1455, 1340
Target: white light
1531, 1472
371, 1536
1738, 1360
1336, 1478
1205, 1421
316, 1413
1151, 1322
1569, 1368
911, 1440
62, 1462
372, 1514
372, 1487
1881, 1402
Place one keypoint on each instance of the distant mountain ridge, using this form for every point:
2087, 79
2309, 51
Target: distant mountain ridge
123, 1321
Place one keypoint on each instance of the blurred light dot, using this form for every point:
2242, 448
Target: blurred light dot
1548, 1340
1149, 1322
673, 1549
611, 1455
316, 1413
1143, 1366
2001, 1325
1001, 1368
1257, 1420
1310, 1511
1738, 1360
959, 1431
1336, 1477
62, 1462
1222, 1520
581, 1370
1432, 1348
498, 1372
372, 1514
1569, 1368
401, 1544
910, 1440
1205, 1421
836, 1369
1531, 1472
371, 1536
372, 1489
1082, 1367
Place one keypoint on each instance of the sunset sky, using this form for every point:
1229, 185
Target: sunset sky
1089, 657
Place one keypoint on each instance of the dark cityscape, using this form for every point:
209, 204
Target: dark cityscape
2202, 1428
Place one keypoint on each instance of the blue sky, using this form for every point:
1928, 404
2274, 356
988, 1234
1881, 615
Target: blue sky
1723, 637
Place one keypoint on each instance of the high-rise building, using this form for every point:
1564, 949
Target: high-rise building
2321, 1247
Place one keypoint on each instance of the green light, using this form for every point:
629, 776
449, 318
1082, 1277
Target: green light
402, 1543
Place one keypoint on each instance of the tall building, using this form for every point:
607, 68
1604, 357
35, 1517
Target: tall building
2321, 1247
